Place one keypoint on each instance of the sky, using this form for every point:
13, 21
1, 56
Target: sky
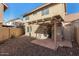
72, 8
16, 10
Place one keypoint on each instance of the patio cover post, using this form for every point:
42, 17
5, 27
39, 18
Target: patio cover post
55, 34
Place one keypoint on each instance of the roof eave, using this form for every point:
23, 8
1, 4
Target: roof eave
5, 6
38, 8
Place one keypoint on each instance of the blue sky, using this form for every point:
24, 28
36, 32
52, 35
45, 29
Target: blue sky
16, 10
72, 8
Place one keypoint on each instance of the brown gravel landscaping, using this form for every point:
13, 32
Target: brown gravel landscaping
23, 47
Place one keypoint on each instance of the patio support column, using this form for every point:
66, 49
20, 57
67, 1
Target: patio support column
55, 34
30, 30
36, 33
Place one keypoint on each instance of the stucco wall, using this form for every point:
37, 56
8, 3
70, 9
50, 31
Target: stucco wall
58, 9
36, 31
1, 13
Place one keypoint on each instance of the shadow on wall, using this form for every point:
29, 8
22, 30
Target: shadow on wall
44, 31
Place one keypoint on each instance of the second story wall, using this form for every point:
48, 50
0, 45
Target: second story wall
49, 11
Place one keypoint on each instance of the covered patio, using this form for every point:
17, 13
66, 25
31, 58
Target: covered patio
55, 25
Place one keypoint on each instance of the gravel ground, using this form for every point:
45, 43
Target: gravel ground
23, 47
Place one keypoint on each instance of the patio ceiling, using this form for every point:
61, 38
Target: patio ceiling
48, 20
40, 21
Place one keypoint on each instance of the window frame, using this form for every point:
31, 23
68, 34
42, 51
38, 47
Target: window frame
27, 29
27, 18
45, 11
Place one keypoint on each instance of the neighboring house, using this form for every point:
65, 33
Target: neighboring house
45, 21
15, 22
19, 22
9, 23
70, 25
3, 7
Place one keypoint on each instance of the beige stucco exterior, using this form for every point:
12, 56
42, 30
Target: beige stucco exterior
1, 12
2, 9
15, 22
57, 9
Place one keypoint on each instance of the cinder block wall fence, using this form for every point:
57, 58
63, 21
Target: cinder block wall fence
7, 33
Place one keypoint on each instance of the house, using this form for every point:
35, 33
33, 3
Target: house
9, 23
18, 22
45, 21
3, 7
51, 21
15, 22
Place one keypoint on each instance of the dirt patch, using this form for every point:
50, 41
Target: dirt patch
23, 47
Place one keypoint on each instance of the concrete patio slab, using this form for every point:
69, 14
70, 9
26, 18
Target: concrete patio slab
45, 43
49, 43
65, 43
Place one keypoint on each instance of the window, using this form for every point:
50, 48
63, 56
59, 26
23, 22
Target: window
45, 12
27, 18
29, 29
